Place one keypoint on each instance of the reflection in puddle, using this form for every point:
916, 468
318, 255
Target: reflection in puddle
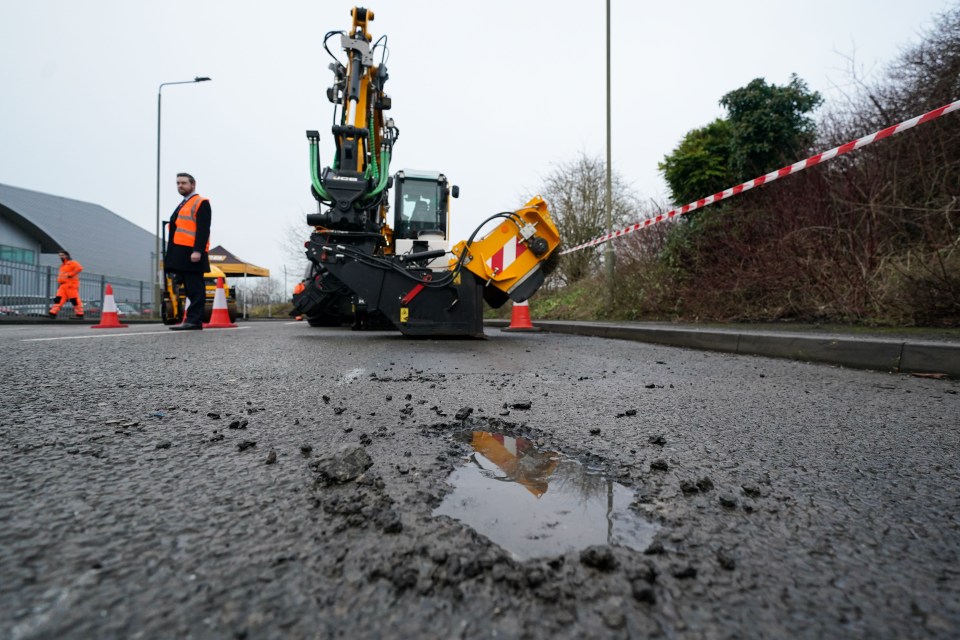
538, 503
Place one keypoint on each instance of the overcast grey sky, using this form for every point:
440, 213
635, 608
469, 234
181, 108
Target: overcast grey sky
492, 93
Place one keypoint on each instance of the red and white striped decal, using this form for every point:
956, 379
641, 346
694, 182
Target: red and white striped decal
509, 443
506, 256
773, 175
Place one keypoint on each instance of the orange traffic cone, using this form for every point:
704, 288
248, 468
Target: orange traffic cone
108, 317
220, 316
520, 318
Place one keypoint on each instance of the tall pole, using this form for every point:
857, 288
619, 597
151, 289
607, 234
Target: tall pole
158, 278
608, 246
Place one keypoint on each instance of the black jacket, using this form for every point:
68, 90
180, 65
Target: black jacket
177, 257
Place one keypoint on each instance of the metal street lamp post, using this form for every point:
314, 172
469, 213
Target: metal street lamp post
157, 290
608, 204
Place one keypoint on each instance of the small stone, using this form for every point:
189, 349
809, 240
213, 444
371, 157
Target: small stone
305, 449
523, 406
630, 412
650, 386
165, 444
595, 431
658, 440
728, 501
659, 465
271, 457
684, 573
645, 572
599, 557
326, 399
726, 560
688, 487
705, 484
463, 413
655, 549
338, 410
404, 578
643, 592
235, 424
246, 444
213, 415
751, 490
388, 521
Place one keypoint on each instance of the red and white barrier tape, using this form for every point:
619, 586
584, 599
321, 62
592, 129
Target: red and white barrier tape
773, 175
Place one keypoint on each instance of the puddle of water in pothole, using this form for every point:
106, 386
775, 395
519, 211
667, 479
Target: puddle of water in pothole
539, 503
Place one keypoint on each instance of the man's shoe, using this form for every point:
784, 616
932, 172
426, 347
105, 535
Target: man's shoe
186, 326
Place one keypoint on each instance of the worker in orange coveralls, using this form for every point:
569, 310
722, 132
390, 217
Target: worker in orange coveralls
298, 289
69, 280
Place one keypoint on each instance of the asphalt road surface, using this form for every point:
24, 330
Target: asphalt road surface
282, 481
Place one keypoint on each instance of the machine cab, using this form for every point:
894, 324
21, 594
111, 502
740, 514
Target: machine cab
421, 211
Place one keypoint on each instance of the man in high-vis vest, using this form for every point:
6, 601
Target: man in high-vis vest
187, 247
68, 286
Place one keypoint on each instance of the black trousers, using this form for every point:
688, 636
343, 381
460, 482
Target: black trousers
196, 293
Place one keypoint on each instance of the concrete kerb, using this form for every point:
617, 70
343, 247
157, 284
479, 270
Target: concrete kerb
858, 353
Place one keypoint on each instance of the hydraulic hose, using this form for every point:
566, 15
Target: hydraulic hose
373, 156
314, 172
384, 174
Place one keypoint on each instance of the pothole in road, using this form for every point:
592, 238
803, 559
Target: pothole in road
537, 503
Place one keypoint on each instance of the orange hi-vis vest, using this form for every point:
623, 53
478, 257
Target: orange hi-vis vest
186, 222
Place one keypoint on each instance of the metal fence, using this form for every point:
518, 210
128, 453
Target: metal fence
29, 290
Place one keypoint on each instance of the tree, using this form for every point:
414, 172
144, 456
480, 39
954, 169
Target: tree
294, 253
767, 127
770, 125
575, 193
700, 165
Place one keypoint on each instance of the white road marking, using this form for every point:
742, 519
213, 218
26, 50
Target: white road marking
109, 335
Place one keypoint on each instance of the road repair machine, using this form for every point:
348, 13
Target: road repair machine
364, 265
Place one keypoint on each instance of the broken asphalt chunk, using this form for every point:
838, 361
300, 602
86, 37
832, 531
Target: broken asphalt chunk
599, 557
343, 466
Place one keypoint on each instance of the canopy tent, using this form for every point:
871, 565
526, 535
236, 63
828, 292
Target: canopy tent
231, 265
234, 267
